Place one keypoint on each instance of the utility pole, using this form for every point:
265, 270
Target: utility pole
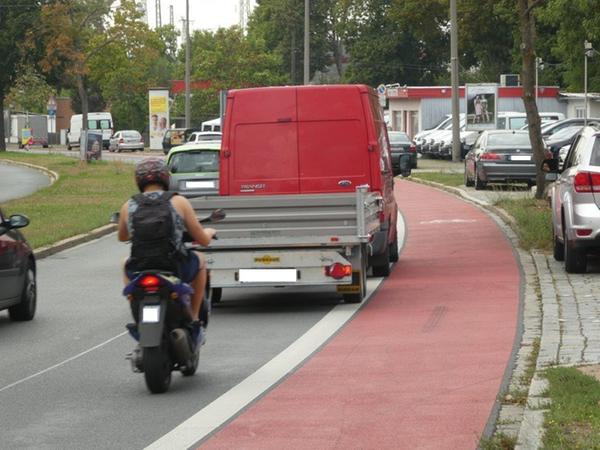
158, 13
454, 73
589, 51
306, 41
188, 118
171, 16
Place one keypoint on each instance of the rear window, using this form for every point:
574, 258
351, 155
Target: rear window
398, 138
99, 124
194, 162
516, 123
595, 160
508, 139
131, 134
208, 137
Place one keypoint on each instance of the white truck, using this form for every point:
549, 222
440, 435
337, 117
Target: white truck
101, 122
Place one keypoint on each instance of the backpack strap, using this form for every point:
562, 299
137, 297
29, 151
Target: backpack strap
143, 199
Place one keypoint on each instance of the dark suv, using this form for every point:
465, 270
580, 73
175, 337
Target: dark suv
17, 269
176, 136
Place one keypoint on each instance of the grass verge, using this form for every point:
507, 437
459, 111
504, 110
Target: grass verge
81, 200
445, 178
534, 221
573, 420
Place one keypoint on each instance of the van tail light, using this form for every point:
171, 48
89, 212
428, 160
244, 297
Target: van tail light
490, 156
337, 271
150, 283
584, 232
412, 149
587, 182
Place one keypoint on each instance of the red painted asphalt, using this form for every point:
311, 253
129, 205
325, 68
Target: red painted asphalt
421, 364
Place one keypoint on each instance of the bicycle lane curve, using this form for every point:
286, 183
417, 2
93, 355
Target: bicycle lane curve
421, 365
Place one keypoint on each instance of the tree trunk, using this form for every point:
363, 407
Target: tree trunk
527, 28
2, 131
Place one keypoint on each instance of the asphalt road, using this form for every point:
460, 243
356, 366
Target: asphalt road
64, 382
17, 182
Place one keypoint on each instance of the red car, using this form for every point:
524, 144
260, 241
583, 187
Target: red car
17, 269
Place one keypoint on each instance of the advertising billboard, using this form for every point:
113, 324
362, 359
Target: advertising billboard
482, 106
159, 116
91, 145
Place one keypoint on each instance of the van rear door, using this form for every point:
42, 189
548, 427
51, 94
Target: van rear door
332, 139
260, 152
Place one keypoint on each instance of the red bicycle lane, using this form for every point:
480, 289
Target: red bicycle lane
420, 366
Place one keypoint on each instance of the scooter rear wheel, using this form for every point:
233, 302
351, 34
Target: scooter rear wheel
157, 368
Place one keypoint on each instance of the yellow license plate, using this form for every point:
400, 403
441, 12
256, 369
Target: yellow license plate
348, 288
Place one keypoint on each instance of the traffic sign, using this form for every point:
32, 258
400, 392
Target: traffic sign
381, 89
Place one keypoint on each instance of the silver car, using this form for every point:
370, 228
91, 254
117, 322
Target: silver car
126, 140
575, 199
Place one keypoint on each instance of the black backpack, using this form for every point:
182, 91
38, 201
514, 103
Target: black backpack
152, 244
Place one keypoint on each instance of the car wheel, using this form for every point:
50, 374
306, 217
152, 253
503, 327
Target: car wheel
559, 248
479, 185
467, 180
25, 310
575, 258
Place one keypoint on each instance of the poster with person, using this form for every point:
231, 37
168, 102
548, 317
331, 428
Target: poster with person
482, 106
159, 116
92, 148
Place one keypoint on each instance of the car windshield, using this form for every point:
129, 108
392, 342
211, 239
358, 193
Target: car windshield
566, 133
194, 162
508, 139
397, 137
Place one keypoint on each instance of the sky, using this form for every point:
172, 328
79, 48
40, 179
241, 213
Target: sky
204, 14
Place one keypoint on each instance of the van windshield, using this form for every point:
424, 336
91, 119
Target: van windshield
103, 124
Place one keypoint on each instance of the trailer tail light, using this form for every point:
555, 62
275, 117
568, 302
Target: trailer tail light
585, 182
338, 271
491, 156
150, 283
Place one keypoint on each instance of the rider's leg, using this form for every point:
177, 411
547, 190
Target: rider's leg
199, 284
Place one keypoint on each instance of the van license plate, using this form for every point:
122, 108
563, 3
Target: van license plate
151, 314
268, 275
200, 184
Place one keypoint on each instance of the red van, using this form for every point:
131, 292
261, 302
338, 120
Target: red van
311, 140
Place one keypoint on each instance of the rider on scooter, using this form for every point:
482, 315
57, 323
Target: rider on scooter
152, 178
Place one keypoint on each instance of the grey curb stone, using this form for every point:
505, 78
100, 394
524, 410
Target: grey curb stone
51, 174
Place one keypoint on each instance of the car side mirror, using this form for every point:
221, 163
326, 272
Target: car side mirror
18, 221
549, 165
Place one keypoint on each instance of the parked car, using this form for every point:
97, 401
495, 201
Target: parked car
500, 156
563, 137
511, 120
200, 136
421, 136
126, 140
401, 144
549, 129
17, 269
195, 168
575, 201
176, 136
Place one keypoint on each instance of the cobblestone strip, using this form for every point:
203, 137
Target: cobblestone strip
551, 332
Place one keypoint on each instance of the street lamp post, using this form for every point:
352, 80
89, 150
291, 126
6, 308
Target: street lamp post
589, 51
538, 66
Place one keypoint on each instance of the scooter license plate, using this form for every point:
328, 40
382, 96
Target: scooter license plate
151, 314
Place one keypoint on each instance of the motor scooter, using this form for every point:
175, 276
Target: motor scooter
161, 309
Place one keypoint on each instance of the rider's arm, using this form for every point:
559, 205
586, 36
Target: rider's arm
200, 234
123, 231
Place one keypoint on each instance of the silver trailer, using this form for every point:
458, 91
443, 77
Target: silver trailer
293, 240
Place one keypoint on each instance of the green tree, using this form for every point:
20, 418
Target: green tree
30, 91
125, 68
16, 19
228, 59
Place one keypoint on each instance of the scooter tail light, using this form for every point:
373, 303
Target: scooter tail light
338, 271
150, 283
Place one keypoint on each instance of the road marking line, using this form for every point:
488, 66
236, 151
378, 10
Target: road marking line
222, 409
66, 361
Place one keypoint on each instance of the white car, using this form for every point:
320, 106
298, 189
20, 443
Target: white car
126, 140
203, 136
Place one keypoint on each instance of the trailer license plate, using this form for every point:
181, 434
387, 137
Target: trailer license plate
151, 314
268, 276
200, 184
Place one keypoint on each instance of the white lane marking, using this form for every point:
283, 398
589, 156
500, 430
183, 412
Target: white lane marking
440, 221
215, 414
66, 361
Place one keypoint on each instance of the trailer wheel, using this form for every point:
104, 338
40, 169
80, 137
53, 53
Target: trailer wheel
359, 278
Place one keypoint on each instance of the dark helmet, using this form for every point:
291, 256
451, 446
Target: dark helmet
152, 171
